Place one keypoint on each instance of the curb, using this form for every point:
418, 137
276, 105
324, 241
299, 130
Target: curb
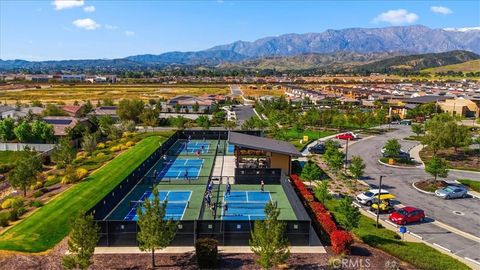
416, 235
398, 167
472, 260
470, 192
442, 247
422, 191
391, 223
464, 171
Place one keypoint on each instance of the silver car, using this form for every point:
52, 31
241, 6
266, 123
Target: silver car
451, 192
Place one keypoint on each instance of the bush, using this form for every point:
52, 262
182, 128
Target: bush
4, 168
100, 146
81, 173
37, 194
126, 134
130, 144
100, 155
206, 250
81, 154
115, 148
37, 185
4, 218
51, 180
341, 241
301, 188
12, 203
36, 204
123, 147
327, 223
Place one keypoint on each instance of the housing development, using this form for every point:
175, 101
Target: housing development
356, 148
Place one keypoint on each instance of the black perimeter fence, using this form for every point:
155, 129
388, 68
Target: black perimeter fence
227, 232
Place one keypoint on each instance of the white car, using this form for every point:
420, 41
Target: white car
368, 196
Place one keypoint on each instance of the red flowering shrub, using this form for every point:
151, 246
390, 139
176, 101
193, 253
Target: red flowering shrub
301, 188
317, 207
326, 221
341, 241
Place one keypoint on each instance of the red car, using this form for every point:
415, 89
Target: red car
406, 215
347, 136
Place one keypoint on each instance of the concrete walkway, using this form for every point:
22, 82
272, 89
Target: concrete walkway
415, 154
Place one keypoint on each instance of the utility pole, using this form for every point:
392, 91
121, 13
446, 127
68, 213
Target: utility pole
346, 156
378, 198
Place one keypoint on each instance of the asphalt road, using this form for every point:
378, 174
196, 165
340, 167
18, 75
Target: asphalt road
461, 214
235, 90
243, 113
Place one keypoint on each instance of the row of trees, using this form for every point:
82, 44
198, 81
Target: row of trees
443, 131
25, 131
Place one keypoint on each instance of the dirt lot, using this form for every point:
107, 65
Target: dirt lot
363, 257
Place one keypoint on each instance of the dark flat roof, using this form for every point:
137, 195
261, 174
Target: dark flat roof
262, 143
426, 99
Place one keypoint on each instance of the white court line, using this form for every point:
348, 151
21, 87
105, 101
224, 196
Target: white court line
246, 192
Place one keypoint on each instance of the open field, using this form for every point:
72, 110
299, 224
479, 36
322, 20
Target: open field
9, 156
82, 92
469, 66
249, 92
50, 224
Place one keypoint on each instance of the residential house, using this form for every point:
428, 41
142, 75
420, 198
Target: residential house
72, 110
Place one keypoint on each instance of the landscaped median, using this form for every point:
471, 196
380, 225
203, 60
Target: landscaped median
51, 223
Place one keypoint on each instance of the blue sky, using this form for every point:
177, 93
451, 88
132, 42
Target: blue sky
52, 30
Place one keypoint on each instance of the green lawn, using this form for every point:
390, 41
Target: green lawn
50, 224
294, 137
9, 156
473, 185
418, 254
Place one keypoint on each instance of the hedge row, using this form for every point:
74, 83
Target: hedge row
341, 240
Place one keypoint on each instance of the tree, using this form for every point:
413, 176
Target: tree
196, 107
82, 241
54, 110
105, 124
229, 125
42, 131
156, 232
356, 167
267, 240
204, 122
437, 167
333, 156
23, 131
149, 117
310, 172
179, 122
351, 213
456, 135
26, 169
321, 192
417, 129
130, 109
392, 148
63, 153
89, 142
7, 127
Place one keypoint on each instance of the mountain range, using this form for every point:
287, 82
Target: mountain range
351, 46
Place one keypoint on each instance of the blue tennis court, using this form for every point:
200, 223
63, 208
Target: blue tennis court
177, 203
192, 147
230, 148
182, 168
246, 205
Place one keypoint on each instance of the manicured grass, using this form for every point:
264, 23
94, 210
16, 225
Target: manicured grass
9, 156
294, 137
473, 185
50, 224
418, 254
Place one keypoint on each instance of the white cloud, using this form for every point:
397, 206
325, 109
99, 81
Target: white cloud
66, 4
441, 10
89, 9
87, 24
129, 33
110, 27
396, 17
463, 29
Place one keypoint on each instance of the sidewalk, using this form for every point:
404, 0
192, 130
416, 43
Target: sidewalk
221, 249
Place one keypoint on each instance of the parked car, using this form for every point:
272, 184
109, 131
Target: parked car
368, 196
405, 122
451, 192
318, 148
347, 136
402, 154
407, 215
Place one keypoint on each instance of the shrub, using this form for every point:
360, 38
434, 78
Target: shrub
100, 155
4, 218
115, 148
51, 180
130, 144
36, 204
341, 242
37, 185
81, 154
317, 207
100, 146
326, 221
126, 134
301, 188
81, 173
123, 147
4, 168
12, 203
37, 194
206, 250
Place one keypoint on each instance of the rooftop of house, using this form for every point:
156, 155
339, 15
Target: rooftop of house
71, 108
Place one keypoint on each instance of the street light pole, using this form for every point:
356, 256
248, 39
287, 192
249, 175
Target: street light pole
346, 156
378, 199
